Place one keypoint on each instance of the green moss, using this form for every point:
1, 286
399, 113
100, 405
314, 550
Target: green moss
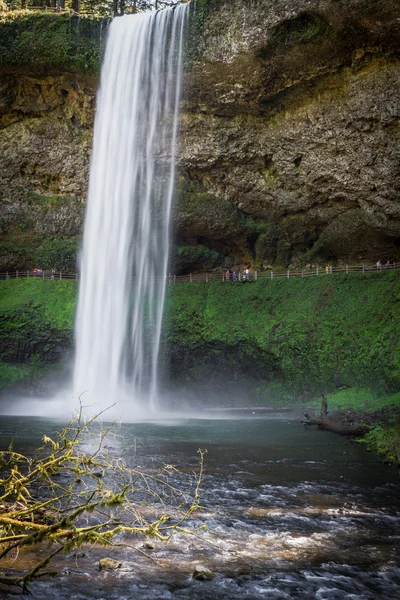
51, 303
385, 441
305, 336
43, 41
291, 339
29, 372
359, 398
25, 250
195, 258
45, 201
59, 253
304, 28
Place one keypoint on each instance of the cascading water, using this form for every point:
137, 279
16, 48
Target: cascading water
125, 243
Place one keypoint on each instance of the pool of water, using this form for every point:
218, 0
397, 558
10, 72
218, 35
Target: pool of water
290, 513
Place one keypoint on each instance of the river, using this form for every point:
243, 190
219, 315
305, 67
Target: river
290, 513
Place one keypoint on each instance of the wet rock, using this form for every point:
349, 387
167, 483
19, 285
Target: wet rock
203, 574
109, 564
148, 545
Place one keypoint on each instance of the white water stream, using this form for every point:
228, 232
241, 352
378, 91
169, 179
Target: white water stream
125, 243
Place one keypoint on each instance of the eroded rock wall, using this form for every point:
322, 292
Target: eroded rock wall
293, 115
45, 149
289, 141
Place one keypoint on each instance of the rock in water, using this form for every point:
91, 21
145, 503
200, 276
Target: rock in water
203, 574
109, 564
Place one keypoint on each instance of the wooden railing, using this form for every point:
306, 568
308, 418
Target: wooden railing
234, 277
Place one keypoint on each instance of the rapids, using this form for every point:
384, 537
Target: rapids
290, 513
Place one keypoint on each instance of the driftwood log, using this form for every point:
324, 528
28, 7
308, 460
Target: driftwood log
324, 422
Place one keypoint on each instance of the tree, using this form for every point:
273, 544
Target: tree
68, 498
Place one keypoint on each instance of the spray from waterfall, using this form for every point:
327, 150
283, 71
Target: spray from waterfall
125, 243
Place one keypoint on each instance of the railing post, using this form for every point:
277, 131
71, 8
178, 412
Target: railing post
363, 269
206, 277
27, 274
302, 273
7, 275
239, 276
272, 274
347, 269
255, 275
288, 274
16, 274
174, 278
223, 276
60, 275
317, 272
190, 278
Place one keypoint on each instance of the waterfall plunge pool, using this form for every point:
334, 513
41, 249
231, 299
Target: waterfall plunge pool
290, 513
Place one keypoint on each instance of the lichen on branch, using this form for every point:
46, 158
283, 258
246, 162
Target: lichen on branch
73, 492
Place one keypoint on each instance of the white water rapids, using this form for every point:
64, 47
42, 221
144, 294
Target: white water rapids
125, 243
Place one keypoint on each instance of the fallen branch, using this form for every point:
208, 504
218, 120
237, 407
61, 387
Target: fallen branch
65, 498
324, 422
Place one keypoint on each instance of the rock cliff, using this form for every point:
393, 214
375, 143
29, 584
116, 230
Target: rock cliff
289, 141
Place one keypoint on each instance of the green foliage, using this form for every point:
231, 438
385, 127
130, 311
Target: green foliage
200, 258
294, 338
29, 372
43, 40
31, 303
305, 336
58, 253
359, 398
385, 441
36, 325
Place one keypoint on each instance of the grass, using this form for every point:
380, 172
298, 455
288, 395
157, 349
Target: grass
293, 339
320, 334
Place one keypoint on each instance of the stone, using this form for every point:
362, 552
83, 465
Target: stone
202, 574
109, 564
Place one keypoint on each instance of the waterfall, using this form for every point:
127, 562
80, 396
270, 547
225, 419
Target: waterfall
125, 243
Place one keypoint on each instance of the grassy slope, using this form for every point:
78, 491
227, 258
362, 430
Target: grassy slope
36, 319
337, 334
319, 334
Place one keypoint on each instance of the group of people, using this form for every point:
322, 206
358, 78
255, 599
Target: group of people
387, 265
40, 273
234, 276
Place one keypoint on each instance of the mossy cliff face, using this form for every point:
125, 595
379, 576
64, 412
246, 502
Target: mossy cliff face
289, 141
45, 149
48, 80
292, 115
